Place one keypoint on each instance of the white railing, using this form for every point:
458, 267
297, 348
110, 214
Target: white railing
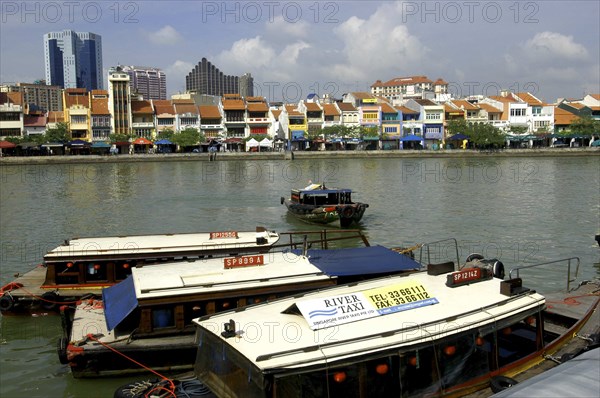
142, 125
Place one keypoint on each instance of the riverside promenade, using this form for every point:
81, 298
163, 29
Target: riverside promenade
296, 155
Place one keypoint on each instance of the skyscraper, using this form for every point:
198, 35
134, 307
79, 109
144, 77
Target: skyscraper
73, 59
246, 85
206, 78
150, 83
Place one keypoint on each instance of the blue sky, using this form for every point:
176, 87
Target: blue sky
293, 48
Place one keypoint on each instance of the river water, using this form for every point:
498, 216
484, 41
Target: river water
519, 210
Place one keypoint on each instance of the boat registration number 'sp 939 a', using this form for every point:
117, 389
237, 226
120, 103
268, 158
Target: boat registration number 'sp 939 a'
244, 261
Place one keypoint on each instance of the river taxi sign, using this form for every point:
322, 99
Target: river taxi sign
336, 310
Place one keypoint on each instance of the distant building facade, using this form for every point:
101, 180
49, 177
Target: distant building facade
37, 97
150, 83
246, 85
119, 101
206, 78
73, 59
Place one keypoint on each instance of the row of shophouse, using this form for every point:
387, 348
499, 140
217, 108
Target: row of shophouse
94, 115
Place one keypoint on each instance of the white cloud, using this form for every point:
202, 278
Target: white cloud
246, 54
164, 36
552, 46
176, 73
375, 46
283, 29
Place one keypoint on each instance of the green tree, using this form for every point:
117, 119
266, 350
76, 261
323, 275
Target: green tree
187, 137
518, 129
485, 136
166, 134
458, 126
60, 133
584, 125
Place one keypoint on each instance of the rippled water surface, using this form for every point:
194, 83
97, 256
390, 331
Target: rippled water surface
518, 210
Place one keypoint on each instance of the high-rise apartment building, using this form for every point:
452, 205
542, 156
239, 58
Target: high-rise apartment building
73, 59
206, 78
150, 83
37, 97
246, 85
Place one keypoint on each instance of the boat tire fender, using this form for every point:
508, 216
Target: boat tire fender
61, 348
348, 212
282, 200
474, 256
49, 301
498, 269
7, 303
501, 383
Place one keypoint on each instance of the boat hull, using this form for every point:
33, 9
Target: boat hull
346, 214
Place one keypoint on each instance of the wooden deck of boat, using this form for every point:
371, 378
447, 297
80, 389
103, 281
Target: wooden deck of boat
575, 305
32, 281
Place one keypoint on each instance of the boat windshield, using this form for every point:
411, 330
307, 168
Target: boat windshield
224, 371
447, 366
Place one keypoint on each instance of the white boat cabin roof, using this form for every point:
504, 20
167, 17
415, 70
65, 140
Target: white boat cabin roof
367, 317
223, 274
154, 245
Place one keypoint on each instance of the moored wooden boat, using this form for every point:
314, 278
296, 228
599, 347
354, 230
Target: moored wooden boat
444, 332
321, 205
148, 316
83, 266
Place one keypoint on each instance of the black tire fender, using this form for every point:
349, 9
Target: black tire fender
7, 303
474, 256
282, 200
61, 349
49, 301
501, 383
348, 212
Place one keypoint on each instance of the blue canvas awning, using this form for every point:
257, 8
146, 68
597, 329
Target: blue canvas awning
119, 301
164, 142
360, 261
411, 137
100, 145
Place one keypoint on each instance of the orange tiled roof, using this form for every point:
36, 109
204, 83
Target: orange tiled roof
56, 117
75, 98
276, 113
312, 107
466, 105
162, 107
13, 97
386, 108
292, 111
186, 107
144, 106
595, 96
362, 95
489, 108
425, 102
530, 99
576, 105
563, 117
406, 111
448, 108
440, 81
502, 99
209, 112
233, 103
257, 107
330, 110
100, 106
346, 107
402, 81
34, 121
